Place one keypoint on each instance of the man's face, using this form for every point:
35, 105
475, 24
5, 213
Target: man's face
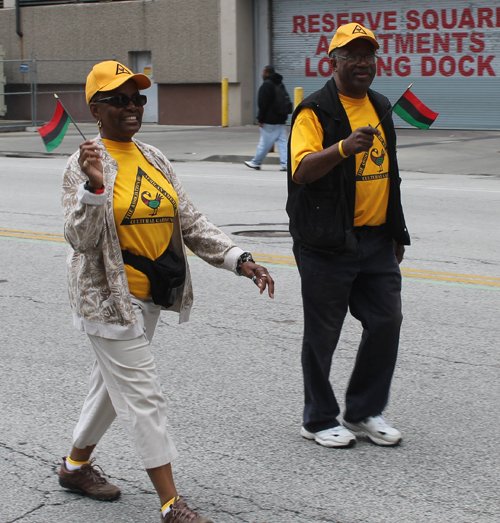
354, 79
265, 74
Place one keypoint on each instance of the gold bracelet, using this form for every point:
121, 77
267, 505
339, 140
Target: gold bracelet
341, 151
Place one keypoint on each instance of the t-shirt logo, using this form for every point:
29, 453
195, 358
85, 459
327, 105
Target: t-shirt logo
120, 69
376, 159
152, 204
358, 29
146, 196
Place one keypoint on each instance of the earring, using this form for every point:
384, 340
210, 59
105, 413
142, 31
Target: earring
99, 124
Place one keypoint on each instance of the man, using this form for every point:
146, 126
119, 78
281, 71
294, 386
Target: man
273, 112
349, 233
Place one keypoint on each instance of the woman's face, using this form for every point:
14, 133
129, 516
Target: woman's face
118, 123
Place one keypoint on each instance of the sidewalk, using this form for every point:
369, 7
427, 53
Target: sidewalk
435, 151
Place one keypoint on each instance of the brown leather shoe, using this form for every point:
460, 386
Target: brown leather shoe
88, 481
181, 513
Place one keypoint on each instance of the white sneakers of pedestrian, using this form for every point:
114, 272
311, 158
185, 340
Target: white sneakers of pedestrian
377, 430
335, 437
252, 165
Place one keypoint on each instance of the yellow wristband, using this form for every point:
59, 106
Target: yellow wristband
341, 151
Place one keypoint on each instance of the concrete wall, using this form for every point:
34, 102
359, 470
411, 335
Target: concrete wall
192, 42
183, 36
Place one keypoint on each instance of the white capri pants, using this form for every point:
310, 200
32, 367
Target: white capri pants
124, 383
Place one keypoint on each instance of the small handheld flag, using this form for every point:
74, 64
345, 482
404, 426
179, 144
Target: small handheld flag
413, 111
53, 133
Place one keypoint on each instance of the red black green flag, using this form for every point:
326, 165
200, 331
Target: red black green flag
413, 111
53, 133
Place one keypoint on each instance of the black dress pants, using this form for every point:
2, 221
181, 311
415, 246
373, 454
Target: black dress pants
370, 286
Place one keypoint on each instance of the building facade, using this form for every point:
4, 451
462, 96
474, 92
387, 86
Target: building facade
449, 51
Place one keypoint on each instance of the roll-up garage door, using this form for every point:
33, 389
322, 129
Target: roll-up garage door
449, 50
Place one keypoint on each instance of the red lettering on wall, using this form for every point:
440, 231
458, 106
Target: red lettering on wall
323, 45
321, 67
384, 68
308, 68
498, 17
390, 22
412, 16
423, 39
329, 22
404, 44
461, 66
342, 19
485, 65
428, 66
313, 24
401, 66
444, 21
476, 38
484, 14
467, 20
385, 42
440, 42
358, 18
374, 23
299, 24
430, 19
460, 40
447, 66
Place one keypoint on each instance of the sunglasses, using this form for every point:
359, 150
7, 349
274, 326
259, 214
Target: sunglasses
122, 100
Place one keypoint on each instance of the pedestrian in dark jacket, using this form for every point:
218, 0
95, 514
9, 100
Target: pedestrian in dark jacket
271, 120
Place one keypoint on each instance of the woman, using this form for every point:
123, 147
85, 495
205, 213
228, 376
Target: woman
120, 199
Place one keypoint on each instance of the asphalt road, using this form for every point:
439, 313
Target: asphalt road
232, 375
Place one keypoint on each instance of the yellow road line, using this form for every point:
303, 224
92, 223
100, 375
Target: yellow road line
276, 259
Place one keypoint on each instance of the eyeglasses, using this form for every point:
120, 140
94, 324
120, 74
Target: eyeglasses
370, 59
122, 100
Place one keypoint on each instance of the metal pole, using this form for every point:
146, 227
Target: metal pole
225, 102
18, 19
32, 98
35, 85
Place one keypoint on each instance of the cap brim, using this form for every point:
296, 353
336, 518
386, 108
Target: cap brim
142, 81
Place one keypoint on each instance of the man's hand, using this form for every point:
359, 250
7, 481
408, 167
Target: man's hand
361, 140
399, 251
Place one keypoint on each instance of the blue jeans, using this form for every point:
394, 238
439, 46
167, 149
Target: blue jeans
269, 134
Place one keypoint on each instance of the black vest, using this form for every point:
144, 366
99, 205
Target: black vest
322, 212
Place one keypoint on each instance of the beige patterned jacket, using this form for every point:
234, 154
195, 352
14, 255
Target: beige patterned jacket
97, 283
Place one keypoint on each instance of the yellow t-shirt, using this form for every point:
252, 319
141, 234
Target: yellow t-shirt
372, 168
144, 206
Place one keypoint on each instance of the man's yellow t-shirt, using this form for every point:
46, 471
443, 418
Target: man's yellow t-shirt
372, 168
144, 206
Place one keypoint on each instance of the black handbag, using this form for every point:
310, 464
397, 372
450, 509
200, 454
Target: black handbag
166, 274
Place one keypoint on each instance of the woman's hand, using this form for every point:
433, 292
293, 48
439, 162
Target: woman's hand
259, 275
90, 163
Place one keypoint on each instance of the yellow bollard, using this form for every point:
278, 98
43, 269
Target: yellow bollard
225, 102
298, 96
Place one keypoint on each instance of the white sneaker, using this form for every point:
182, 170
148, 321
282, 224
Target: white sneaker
335, 437
252, 165
377, 430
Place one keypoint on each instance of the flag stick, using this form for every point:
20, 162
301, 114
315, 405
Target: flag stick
74, 123
390, 110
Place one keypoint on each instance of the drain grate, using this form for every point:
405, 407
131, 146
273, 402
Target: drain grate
264, 234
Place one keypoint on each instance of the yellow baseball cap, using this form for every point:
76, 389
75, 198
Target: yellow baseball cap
109, 75
349, 32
